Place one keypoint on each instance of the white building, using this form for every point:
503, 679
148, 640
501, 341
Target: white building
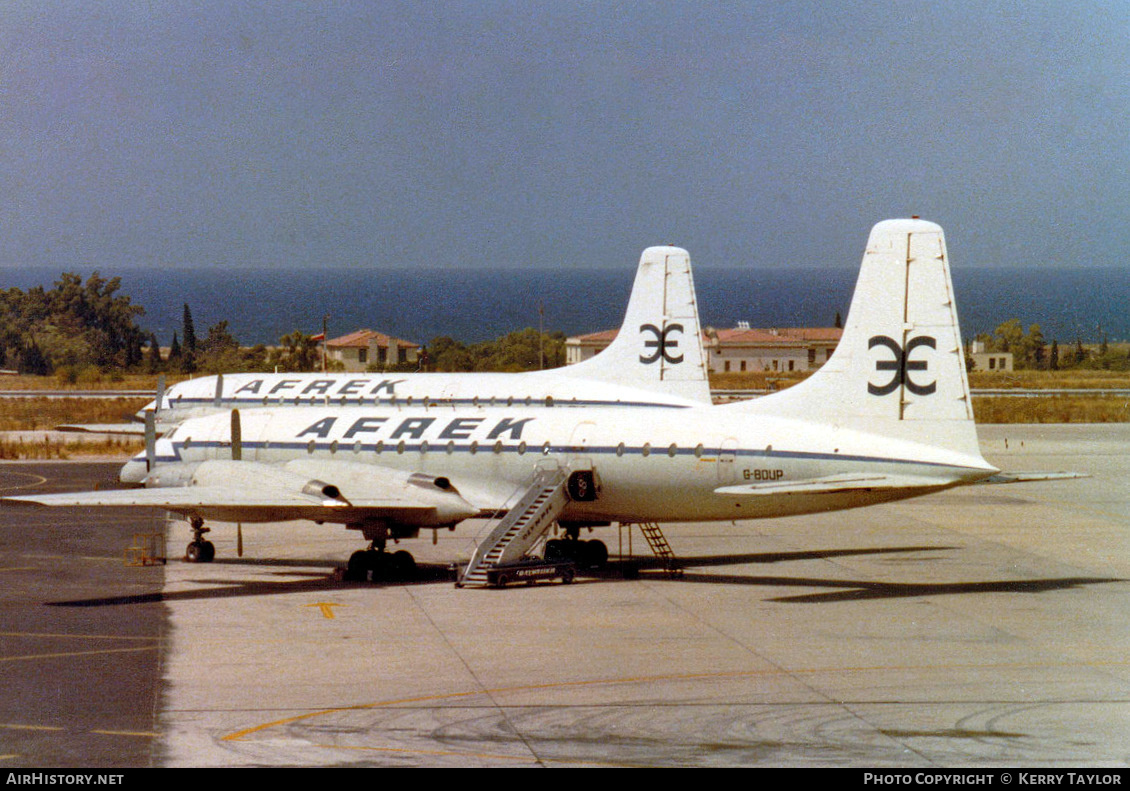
363, 348
989, 361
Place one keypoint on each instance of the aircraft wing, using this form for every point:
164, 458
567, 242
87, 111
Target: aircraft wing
234, 504
830, 484
250, 492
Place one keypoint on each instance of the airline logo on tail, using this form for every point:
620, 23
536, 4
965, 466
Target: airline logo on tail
661, 343
902, 365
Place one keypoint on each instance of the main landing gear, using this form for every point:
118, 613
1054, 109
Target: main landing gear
374, 564
586, 554
199, 550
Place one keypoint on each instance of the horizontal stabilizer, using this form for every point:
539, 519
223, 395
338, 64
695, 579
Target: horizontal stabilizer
1025, 477
131, 429
831, 484
126, 429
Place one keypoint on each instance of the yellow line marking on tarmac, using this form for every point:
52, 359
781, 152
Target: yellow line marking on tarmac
242, 734
19, 568
33, 475
327, 608
143, 734
64, 654
449, 753
16, 727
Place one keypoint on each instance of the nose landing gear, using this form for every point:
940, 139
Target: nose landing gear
199, 550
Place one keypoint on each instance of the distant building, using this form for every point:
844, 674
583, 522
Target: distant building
581, 347
740, 349
363, 348
989, 361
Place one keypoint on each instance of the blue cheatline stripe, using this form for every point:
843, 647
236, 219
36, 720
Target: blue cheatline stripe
179, 402
346, 449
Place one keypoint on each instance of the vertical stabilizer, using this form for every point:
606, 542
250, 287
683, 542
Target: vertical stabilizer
899, 369
659, 346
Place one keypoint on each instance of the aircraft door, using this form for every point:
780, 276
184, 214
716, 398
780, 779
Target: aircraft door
582, 480
727, 462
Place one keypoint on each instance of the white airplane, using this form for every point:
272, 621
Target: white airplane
887, 417
657, 359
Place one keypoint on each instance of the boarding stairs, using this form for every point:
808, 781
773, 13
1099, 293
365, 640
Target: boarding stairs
659, 547
525, 522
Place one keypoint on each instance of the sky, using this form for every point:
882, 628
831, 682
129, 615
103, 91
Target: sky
559, 134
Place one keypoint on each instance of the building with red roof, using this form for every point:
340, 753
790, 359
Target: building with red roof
367, 349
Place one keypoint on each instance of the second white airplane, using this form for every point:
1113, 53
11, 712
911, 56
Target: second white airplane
656, 360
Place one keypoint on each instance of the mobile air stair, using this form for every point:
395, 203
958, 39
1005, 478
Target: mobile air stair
497, 558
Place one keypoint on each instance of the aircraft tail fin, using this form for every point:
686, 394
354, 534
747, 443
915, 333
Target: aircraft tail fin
659, 346
899, 369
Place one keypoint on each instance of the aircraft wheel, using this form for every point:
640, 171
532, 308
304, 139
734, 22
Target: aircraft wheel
403, 564
567, 576
200, 552
358, 566
553, 550
595, 553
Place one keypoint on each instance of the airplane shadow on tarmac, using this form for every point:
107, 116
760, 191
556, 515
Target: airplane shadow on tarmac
840, 590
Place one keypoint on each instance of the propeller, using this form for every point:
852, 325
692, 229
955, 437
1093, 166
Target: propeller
160, 391
150, 440
236, 437
236, 455
218, 398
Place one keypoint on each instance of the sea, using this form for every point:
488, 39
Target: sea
262, 305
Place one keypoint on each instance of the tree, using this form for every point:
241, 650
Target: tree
175, 354
188, 355
1053, 358
32, 361
299, 352
1034, 346
153, 361
1027, 349
219, 351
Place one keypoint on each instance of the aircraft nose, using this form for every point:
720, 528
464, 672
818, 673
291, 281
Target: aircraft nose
134, 470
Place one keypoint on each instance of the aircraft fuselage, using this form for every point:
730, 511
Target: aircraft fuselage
649, 465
